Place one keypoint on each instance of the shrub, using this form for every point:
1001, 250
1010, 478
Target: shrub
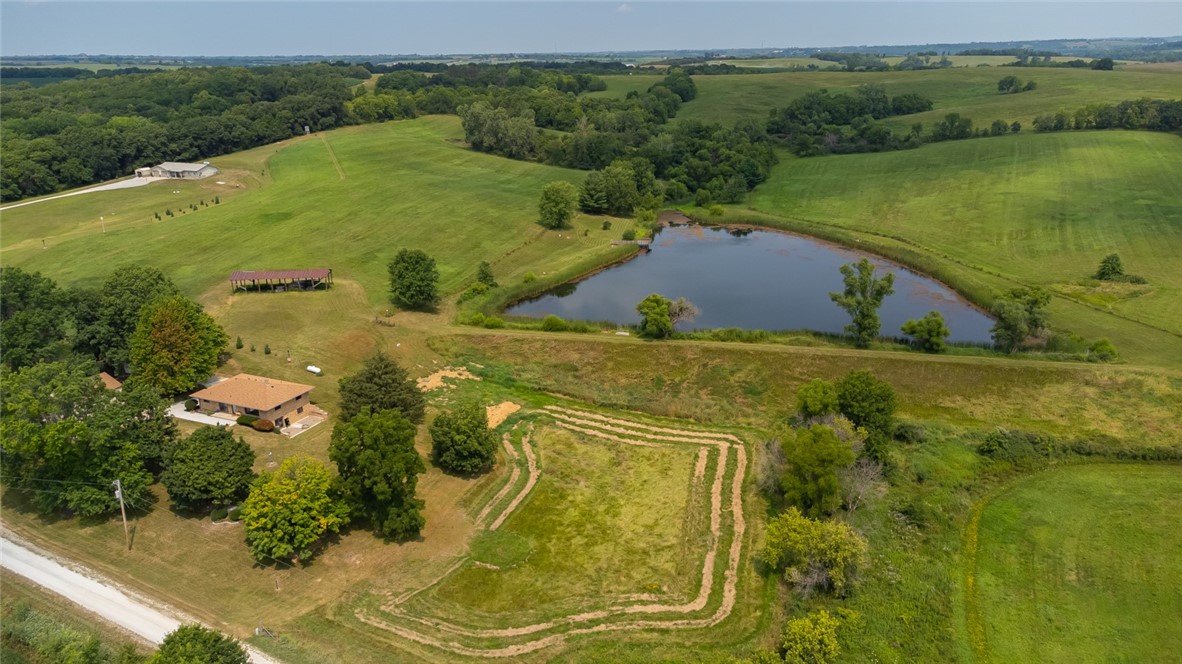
813, 554
702, 198
493, 323
218, 514
263, 425
235, 515
553, 323
909, 432
267, 349
1102, 350
475, 290
476, 319
246, 420
190, 405
252, 348
529, 278
629, 235
816, 397
927, 333
607, 225
811, 639
238, 344
716, 210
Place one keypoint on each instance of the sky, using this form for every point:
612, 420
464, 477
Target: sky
219, 27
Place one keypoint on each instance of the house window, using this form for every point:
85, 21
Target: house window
252, 411
300, 409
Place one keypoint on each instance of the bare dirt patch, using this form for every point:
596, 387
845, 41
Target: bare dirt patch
500, 412
436, 380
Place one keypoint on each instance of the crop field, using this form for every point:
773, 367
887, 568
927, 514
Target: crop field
1038, 209
970, 91
1080, 564
347, 200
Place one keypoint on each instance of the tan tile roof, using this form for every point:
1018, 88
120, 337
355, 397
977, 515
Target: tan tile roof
255, 392
109, 381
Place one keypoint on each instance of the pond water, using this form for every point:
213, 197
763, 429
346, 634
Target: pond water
752, 279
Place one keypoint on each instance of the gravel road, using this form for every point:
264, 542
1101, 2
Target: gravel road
97, 595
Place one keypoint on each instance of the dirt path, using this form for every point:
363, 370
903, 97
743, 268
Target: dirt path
333, 157
606, 428
119, 607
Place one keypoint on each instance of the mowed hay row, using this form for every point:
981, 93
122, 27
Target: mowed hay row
437, 623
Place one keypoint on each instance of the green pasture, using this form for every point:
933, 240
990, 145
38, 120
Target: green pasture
348, 200
970, 91
1081, 564
1038, 209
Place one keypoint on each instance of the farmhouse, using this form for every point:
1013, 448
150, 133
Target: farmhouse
177, 169
264, 398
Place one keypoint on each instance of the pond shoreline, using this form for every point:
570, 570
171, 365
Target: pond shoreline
918, 289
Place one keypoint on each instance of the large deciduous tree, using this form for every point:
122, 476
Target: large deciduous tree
108, 321
378, 469
461, 440
1020, 313
381, 385
210, 467
175, 345
867, 401
414, 280
557, 207
655, 320
815, 455
816, 398
861, 299
289, 512
57, 444
194, 644
33, 317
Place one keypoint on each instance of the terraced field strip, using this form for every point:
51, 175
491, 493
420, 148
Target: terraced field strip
511, 455
529, 483
441, 633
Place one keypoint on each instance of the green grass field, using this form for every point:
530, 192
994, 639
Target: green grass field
605, 519
1038, 209
1081, 564
970, 91
391, 186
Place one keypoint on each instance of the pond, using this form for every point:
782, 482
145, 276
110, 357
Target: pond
752, 279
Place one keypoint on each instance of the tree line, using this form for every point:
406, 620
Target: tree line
82, 131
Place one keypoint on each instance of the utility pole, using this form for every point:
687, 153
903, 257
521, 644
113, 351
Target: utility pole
119, 494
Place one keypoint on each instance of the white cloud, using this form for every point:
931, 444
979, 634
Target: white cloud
624, 8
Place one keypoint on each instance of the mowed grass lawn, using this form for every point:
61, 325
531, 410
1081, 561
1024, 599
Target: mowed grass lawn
1039, 208
606, 519
1082, 564
404, 185
970, 91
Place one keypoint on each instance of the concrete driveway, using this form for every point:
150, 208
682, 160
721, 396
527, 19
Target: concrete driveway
178, 411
